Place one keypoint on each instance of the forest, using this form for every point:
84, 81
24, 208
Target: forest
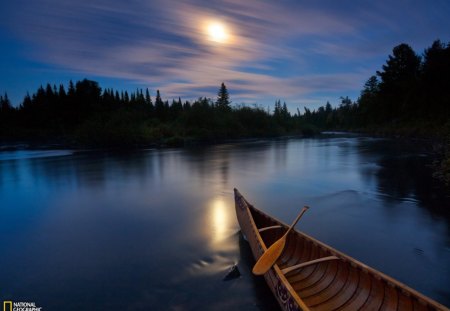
408, 97
85, 116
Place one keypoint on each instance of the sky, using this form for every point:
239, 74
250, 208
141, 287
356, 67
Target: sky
304, 53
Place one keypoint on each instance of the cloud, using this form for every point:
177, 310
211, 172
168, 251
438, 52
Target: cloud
294, 49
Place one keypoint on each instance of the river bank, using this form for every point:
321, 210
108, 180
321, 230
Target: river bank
435, 139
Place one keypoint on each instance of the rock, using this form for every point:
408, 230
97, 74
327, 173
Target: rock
233, 273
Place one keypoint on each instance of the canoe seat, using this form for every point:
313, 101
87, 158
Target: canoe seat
269, 228
308, 263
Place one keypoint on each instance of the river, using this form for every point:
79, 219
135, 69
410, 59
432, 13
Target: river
156, 229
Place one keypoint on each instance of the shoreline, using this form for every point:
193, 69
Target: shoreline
436, 142
182, 143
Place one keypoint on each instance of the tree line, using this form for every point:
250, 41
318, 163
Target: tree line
85, 115
410, 95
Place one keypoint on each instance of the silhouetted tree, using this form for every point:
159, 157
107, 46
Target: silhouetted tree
176, 109
149, 103
160, 107
62, 92
402, 66
7, 114
88, 93
399, 81
368, 110
436, 80
5, 104
223, 98
71, 91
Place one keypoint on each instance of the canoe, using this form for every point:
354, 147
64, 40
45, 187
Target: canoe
310, 275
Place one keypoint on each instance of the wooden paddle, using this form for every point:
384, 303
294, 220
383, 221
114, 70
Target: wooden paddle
266, 261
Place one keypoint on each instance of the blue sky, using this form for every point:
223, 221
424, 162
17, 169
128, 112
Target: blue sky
303, 52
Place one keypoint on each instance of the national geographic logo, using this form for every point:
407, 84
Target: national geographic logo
7, 305
20, 306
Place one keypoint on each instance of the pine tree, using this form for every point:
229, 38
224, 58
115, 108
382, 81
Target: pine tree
403, 65
277, 109
5, 104
285, 112
148, 99
223, 98
158, 100
71, 91
61, 92
160, 109
436, 80
399, 82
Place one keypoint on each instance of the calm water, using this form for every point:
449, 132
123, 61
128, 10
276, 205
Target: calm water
156, 229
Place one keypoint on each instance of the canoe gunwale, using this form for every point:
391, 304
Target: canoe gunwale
277, 271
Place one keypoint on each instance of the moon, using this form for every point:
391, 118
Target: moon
217, 32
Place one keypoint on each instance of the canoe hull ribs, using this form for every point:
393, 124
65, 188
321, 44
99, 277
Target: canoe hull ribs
310, 275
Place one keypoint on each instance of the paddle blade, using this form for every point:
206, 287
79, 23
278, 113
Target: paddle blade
270, 256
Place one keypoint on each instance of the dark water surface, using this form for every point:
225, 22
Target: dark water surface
156, 229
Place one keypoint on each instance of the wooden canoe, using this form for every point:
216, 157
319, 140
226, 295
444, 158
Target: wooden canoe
322, 278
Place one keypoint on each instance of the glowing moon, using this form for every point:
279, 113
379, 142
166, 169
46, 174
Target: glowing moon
217, 32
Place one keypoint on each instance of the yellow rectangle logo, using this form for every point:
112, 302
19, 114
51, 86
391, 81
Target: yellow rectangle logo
6, 304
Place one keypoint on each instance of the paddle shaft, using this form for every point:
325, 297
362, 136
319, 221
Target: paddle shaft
296, 220
270, 256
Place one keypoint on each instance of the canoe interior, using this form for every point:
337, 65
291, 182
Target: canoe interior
343, 284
